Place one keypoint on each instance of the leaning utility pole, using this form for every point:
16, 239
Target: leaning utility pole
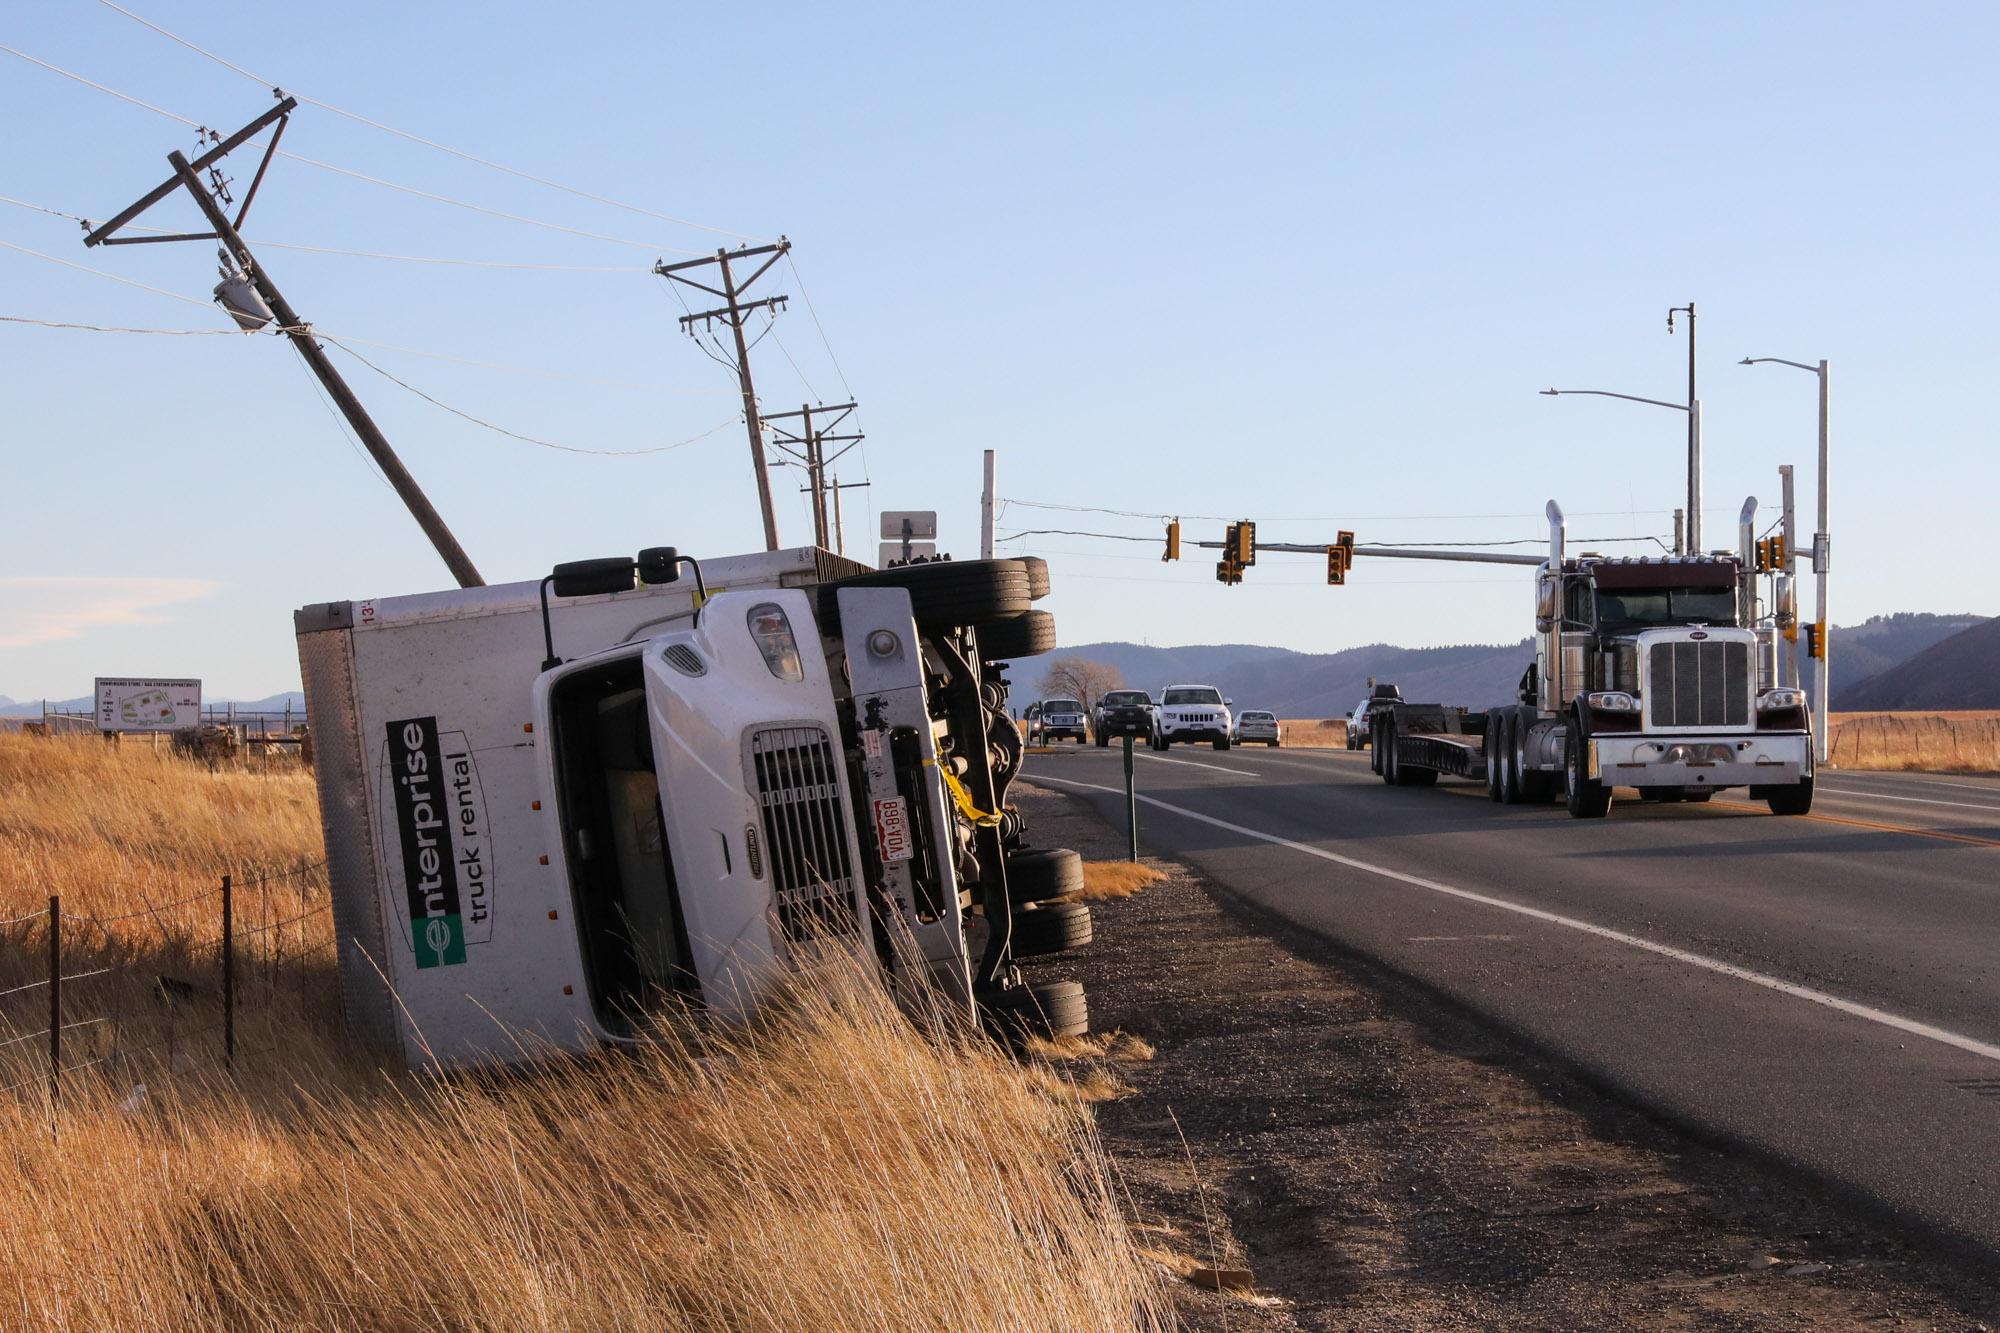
807, 446
239, 266
732, 313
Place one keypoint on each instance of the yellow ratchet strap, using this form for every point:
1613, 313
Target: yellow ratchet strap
966, 807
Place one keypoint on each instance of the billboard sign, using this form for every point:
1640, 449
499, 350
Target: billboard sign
147, 705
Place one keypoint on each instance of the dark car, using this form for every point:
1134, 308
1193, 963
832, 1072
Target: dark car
1125, 713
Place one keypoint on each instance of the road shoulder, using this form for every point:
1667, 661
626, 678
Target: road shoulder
1379, 1162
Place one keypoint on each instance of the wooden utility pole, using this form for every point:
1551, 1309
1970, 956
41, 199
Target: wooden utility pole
237, 253
732, 312
807, 446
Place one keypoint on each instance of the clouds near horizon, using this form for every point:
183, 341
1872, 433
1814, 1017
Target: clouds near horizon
47, 609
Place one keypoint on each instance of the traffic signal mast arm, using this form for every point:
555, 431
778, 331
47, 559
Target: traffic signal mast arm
1389, 552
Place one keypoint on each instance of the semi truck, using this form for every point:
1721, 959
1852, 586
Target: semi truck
553, 807
1655, 674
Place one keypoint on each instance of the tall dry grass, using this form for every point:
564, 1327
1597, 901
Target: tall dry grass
832, 1167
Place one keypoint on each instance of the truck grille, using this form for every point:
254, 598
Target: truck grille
798, 786
1699, 684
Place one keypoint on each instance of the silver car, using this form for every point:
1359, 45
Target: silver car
1255, 727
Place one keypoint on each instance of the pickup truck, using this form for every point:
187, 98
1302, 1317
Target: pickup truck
1125, 713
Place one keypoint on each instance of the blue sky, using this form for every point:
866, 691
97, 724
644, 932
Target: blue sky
1301, 264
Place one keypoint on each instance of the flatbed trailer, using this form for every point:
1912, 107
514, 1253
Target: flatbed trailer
1415, 744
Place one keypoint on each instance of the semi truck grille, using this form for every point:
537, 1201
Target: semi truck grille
798, 786
1699, 684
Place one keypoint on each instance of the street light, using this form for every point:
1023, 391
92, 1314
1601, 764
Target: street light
1693, 409
1821, 741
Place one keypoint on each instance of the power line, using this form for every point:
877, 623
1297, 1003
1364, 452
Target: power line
355, 175
110, 277
516, 435
107, 328
427, 143
845, 387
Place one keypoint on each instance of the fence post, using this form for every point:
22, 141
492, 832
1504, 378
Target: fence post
1131, 805
55, 1002
228, 977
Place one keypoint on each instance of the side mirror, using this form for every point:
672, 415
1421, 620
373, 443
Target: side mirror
590, 578
1788, 603
659, 564
1350, 717
1545, 604
1543, 624
1228, 703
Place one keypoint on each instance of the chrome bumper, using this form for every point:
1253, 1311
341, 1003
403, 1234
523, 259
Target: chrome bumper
1777, 759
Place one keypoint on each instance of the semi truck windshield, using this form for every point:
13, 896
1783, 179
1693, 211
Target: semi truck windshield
1665, 606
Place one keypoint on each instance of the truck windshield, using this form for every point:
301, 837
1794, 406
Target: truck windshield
1126, 699
1062, 706
1197, 696
1666, 606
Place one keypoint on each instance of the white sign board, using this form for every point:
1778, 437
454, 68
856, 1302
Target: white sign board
892, 551
147, 705
913, 524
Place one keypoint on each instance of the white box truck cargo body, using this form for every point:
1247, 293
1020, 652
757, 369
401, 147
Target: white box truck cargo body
544, 814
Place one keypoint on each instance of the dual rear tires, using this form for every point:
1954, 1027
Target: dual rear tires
1586, 797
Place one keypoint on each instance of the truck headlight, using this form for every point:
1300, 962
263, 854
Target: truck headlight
1786, 697
1612, 701
772, 630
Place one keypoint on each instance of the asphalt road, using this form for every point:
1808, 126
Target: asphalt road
1825, 989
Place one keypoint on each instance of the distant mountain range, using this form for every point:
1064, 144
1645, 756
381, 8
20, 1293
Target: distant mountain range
1962, 671
1326, 685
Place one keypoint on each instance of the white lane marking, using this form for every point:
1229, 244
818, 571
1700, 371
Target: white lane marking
1913, 800
1989, 788
1971, 1045
1152, 758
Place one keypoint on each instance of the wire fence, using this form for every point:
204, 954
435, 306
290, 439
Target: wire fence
82, 996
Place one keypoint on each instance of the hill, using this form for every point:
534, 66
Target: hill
1862, 652
1959, 672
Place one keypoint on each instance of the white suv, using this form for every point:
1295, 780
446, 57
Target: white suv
1193, 713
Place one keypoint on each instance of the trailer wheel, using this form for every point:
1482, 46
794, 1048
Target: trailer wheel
1041, 929
1510, 760
1791, 800
1496, 728
945, 594
1038, 1009
1385, 749
1586, 798
1019, 636
1038, 576
1042, 873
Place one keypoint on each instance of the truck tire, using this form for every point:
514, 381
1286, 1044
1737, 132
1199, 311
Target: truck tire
1222, 744
1024, 635
1510, 760
1039, 874
1496, 726
1587, 798
1038, 576
946, 594
1039, 1009
1045, 928
1790, 800
1102, 740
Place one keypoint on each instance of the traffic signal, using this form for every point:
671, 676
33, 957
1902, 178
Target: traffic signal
1346, 544
1336, 565
1173, 541
1778, 554
1815, 640
1228, 571
1243, 543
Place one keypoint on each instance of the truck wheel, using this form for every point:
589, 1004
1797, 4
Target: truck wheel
1102, 740
1042, 873
1038, 576
1038, 1009
1586, 798
1041, 929
1019, 636
1510, 760
1698, 795
1222, 744
1791, 800
1495, 727
946, 594
1166, 743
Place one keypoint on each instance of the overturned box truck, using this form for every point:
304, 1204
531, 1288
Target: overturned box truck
551, 807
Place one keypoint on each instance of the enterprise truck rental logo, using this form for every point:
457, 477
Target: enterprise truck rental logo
440, 819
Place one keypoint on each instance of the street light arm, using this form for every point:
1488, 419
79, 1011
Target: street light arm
1605, 393
1756, 360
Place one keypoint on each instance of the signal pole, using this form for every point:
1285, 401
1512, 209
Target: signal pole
807, 446
237, 253
732, 313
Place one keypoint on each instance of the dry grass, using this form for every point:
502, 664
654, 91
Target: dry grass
1104, 880
1311, 733
1948, 742
834, 1168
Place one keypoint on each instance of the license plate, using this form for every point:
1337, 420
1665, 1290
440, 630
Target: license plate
892, 829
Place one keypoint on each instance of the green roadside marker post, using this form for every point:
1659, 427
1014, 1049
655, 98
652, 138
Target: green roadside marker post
1131, 804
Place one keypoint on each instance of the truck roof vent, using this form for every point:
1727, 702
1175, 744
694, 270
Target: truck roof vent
684, 660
